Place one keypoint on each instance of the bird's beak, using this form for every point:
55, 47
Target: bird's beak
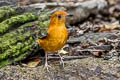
69, 15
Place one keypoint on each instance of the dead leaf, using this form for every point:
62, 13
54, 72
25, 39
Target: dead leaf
84, 45
34, 62
108, 27
96, 53
113, 2
63, 51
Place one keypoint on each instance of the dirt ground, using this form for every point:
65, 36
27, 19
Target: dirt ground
79, 69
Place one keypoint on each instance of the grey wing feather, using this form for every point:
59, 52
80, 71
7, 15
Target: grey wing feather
43, 33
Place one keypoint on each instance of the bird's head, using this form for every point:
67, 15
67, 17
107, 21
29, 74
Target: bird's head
59, 17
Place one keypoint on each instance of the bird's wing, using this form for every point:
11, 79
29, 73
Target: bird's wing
43, 33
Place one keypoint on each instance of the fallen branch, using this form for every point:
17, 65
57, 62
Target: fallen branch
99, 50
114, 41
66, 57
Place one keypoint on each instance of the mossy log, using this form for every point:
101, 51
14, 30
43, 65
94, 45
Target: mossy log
6, 12
18, 34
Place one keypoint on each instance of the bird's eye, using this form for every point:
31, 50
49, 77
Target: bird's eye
59, 16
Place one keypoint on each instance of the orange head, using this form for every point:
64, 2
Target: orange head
59, 17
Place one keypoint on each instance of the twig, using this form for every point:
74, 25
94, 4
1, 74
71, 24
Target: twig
114, 41
98, 50
66, 57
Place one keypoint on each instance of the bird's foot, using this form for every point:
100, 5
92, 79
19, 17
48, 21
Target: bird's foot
47, 67
61, 58
62, 62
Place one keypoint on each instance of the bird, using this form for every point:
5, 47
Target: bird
57, 34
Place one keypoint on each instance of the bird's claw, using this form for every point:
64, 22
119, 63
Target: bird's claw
47, 67
62, 62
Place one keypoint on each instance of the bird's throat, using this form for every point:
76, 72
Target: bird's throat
57, 30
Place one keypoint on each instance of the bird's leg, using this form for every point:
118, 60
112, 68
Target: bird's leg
46, 62
61, 58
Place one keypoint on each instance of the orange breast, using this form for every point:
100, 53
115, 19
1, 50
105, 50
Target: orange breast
56, 39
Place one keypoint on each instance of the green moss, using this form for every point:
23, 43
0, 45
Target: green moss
44, 16
5, 63
10, 61
17, 49
19, 35
16, 43
95, 37
5, 8
5, 25
6, 12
